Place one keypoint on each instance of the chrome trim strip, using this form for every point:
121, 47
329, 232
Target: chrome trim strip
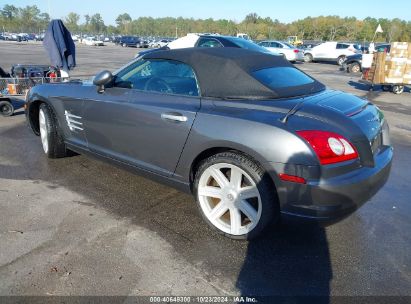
174, 117
71, 115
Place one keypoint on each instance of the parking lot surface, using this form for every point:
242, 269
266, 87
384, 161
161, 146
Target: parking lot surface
76, 226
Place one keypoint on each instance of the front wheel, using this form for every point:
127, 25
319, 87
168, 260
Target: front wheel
397, 89
235, 196
51, 139
340, 60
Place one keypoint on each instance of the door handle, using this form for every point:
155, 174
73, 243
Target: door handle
174, 117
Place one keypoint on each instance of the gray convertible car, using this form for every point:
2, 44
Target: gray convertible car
247, 133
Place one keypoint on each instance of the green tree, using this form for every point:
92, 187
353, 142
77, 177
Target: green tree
72, 22
97, 25
123, 22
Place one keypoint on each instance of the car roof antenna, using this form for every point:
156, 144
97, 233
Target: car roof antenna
292, 111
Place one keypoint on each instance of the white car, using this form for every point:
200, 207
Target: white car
212, 40
331, 51
92, 41
162, 43
187, 41
290, 52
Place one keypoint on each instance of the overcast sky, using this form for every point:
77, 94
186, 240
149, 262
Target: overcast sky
285, 11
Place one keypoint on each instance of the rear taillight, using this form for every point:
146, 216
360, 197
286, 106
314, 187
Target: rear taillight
330, 147
296, 51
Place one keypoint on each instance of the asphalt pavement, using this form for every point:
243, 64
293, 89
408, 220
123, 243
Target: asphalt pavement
77, 226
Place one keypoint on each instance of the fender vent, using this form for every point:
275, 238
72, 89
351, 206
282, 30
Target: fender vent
73, 122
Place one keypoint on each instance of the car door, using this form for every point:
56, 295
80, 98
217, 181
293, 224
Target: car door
279, 49
147, 123
323, 51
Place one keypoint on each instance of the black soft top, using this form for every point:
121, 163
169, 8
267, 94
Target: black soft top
226, 72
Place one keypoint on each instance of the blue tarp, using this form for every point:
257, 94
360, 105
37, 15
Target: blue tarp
60, 46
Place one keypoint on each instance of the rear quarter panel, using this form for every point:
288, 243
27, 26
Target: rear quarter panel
257, 132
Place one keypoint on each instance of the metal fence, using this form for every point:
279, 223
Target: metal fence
20, 86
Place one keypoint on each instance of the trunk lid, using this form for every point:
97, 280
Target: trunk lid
370, 130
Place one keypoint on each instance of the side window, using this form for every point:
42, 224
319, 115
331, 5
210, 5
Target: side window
341, 46
206, 42
265, 44
158, 75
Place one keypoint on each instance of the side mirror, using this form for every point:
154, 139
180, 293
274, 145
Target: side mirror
102, 79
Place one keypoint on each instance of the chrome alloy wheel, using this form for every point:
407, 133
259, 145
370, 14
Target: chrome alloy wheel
43, 131
229, 198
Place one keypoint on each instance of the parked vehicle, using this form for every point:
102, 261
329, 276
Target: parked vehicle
161, 43
294, 41
353, 63
243, 36
213, 41
209, 41
331, 51
93, 41
116, 39
144, 43
130, 41
290, 52
246, 132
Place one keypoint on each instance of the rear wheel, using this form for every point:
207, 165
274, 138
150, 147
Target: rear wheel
354, 67
51, 139
386, 88
308, 57
235, 196
6, 108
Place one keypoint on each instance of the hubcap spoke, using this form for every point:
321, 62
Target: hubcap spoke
219, 177
248, 192
236, 177
210, 192
248, 210
235, 221
218, 211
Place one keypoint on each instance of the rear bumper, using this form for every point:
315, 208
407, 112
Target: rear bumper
336, 197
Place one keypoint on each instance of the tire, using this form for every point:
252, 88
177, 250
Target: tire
354, 67
340, 60
308, 57
386, 88
232, 216
6, 108
397, 89
50, 134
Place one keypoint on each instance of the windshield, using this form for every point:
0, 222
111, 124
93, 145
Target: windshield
245, 44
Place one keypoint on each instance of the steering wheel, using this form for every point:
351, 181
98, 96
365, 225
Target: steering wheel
158, 85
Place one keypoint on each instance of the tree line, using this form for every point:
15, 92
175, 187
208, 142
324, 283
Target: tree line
30, 19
